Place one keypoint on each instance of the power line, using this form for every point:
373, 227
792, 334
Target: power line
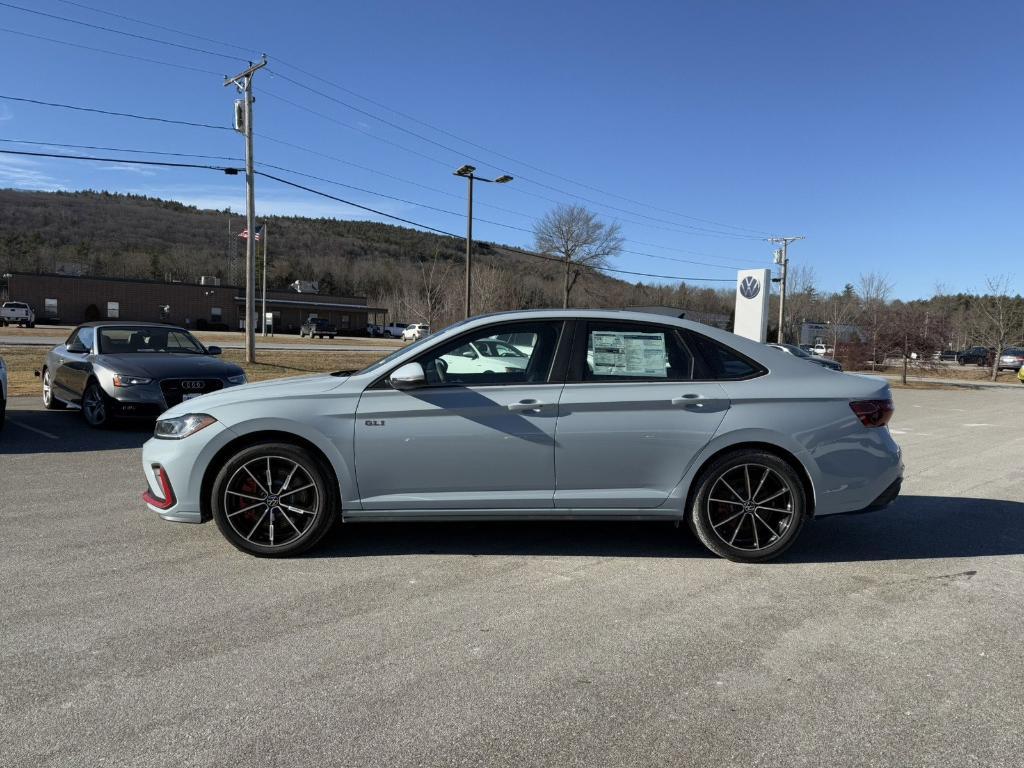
156, 26
234, 171
168, 120
689, 228
120, 32
376, 117
407, 116
459, 237
225, 169
121, 149
109, 52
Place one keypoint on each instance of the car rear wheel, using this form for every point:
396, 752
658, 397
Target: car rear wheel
749, 506
96, 406
49, 401
274, 500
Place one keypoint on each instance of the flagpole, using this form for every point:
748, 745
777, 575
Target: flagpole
265, 278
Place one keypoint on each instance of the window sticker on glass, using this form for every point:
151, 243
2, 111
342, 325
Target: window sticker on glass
629, 354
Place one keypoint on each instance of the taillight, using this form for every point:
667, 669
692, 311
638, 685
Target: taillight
873, 413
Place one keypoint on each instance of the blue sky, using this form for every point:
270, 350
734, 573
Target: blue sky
890, 134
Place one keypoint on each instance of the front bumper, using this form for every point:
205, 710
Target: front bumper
183, 465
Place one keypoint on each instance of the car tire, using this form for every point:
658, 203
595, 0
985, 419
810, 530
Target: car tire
238, 493
96, 406
725, 514
50, 402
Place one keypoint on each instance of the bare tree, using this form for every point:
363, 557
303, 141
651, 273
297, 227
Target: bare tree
996, 317
874, 299
428, 299
801, 300
577, 237
841, 310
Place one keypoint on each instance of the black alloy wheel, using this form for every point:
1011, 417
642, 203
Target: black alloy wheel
749, 506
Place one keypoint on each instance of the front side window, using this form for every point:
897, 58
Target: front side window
479, 359
635, 352
83, 337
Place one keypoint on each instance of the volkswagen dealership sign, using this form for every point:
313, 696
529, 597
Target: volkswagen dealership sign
752, 303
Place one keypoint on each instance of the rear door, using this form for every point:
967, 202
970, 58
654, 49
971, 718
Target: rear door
633, 415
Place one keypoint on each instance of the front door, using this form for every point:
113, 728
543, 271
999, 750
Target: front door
479, 435
73, 369
632, 417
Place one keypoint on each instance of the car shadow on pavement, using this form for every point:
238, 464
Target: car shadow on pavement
913, 527
39, 431
916, 527
527, 538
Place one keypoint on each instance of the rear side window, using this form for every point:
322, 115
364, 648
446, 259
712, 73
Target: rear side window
723, 362
635, 352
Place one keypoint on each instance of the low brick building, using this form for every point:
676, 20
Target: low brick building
72, 300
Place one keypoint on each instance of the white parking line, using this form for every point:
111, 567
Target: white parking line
32, 429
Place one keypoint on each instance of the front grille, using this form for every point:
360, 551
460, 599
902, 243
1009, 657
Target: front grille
175, 389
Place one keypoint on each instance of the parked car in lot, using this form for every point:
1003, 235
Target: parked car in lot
317, 328
3, 392
395, 330
415, 331
123, 369
17, 313
666, 419
795, 351
948, 355
373, 330
975, 356
485, 356
1011, 359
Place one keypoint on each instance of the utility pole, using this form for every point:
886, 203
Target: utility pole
243, 82
782, 259
263, 311
468, 172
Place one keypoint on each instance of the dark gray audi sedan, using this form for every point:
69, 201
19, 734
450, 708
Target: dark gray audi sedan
124, 369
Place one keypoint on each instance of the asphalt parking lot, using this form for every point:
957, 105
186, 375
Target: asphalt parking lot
885, 639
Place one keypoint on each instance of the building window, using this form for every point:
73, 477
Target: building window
165, 313
113, 310
345, 320
50, 307
215, 314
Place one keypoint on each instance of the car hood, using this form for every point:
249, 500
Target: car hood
162, 366
295, 386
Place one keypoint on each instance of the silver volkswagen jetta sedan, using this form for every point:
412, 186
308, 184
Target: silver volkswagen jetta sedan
616, 415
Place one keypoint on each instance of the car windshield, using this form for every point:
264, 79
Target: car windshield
384, 361
130, 339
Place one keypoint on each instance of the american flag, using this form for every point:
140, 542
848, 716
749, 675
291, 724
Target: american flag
244, 234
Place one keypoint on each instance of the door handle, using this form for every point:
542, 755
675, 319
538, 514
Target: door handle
691, 400
525, 405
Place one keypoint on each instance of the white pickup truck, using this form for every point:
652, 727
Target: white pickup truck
17, 313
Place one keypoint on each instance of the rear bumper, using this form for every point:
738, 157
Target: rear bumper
887, 497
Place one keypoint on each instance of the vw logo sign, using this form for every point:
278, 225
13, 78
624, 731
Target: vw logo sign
749, 287
193, 385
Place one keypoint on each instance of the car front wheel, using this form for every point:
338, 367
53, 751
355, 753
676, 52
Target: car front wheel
749, 506
274, 500
50, 403
96, 406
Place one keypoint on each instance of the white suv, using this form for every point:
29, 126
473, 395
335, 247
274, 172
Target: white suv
415, 331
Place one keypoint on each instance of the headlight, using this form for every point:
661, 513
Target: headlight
239, 379
182, 426
123, 380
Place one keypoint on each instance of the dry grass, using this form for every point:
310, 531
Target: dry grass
271, 364
210, 337
966, 373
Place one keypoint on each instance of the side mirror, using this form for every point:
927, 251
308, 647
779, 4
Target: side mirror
213, 350
77, 349
409, 376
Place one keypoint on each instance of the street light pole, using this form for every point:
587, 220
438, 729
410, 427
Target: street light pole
468, 171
